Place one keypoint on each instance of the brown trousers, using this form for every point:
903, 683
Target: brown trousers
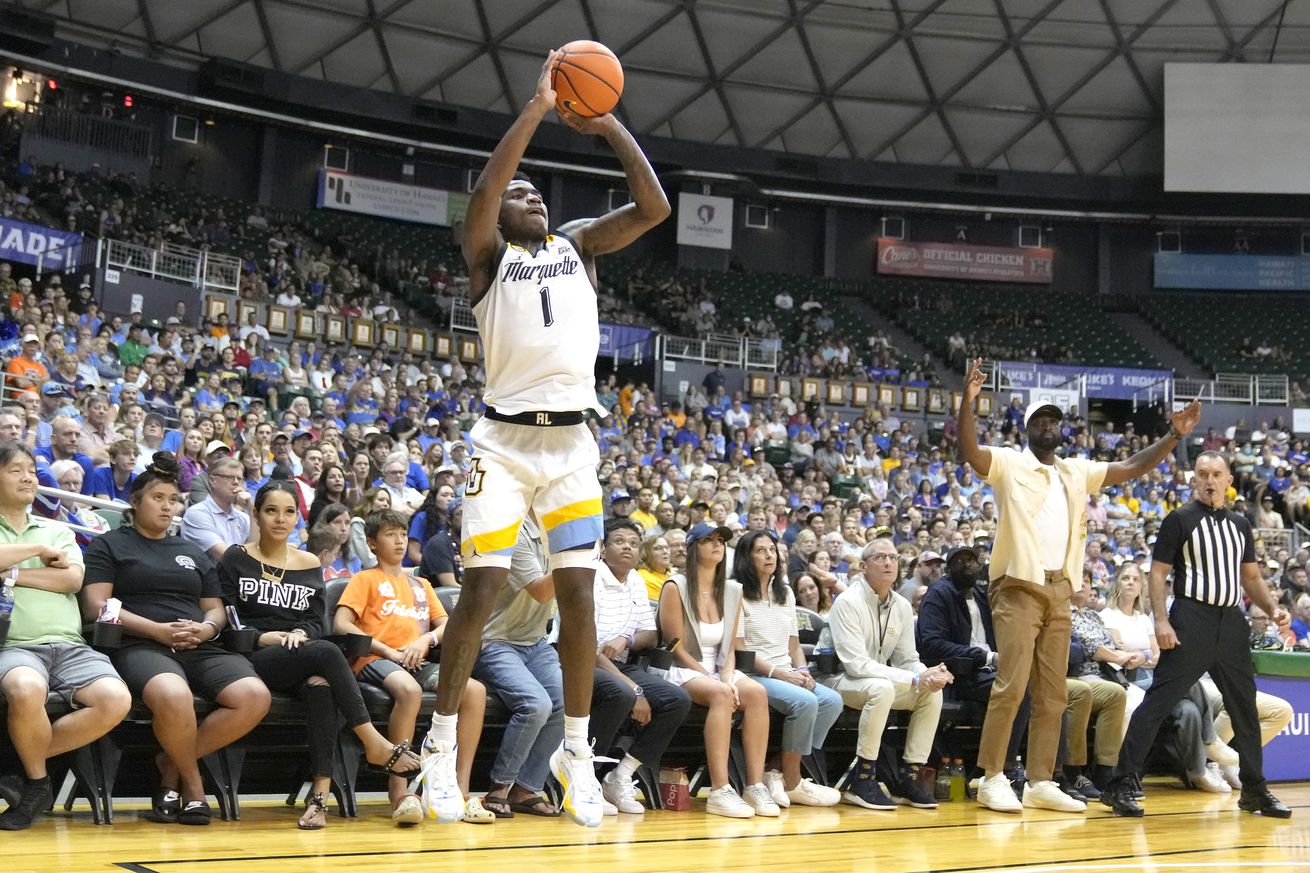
1032, 624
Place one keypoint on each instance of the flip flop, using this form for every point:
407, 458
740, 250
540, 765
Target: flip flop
392, 766
538, 806
165, 805
497, 806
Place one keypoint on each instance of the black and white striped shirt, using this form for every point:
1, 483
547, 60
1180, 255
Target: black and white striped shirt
1206, 548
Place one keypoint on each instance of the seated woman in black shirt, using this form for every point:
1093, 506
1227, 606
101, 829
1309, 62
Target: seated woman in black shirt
278, 590
172, 612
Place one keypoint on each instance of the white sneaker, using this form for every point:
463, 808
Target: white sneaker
409, 811
997, 794
726, 802
1210, 780
811, 793
607, 808
777, 788
761, 801
439, 789
1221, 753
620, 794
1231, 777
1047, 795
576, 774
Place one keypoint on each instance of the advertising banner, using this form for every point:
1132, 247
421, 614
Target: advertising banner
1232, 272
625, 342
385, 199
956, 261
704, 221
1288, 755
1103, 383
27, 243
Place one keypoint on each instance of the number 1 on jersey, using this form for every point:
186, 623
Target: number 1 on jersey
547, 317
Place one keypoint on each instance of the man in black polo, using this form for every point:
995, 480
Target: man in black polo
1211, 552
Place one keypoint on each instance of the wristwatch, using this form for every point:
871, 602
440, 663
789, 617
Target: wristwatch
638, 692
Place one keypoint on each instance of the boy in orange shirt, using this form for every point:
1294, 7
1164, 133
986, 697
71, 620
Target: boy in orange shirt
403, 615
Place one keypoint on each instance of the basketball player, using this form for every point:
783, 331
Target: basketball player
534, 297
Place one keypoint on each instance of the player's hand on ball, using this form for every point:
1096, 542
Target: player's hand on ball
582, 124
545, 87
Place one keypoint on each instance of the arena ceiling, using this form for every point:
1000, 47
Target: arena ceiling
1064, 86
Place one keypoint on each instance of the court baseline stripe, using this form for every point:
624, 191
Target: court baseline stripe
148, 866
1063, 863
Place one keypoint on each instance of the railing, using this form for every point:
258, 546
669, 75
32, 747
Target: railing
207, 271
1235, 388
91, 131
1151, 395
714, 349
461, 316
74, 497
1289, 538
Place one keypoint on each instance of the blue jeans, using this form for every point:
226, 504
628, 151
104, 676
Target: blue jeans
527, 679
807, 715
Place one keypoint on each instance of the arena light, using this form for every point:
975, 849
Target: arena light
52, 84
127, 101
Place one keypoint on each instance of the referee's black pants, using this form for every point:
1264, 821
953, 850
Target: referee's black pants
1213, 638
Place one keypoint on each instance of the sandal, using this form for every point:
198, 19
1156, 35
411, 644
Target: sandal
497, 806
476, 813
165, 804
194, 812
536, 805
315, 816
398, 752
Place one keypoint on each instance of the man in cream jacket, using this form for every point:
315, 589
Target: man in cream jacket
873, 635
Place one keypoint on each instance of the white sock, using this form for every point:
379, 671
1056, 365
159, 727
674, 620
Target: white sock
627, 767
576, 729
443, 728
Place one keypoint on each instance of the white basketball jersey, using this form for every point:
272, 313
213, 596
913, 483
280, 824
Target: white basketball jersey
540, 331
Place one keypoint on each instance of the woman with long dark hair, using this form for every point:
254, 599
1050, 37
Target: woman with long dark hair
336, 520
769, 617
702, 608
432, 518
278, 591
331, 488
172, 613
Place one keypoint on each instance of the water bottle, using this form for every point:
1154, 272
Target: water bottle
825, 658
957, 779
941, 789
6, 610
1272, 640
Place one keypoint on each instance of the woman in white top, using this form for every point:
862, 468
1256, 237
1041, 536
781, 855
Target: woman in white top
809, 710
1194, 740
702, 609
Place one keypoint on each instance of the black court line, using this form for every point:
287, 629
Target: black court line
1058, 861
146, 866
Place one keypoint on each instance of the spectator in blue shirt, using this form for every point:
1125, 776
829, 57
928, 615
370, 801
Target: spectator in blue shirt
114, 482
65, 435
265, 374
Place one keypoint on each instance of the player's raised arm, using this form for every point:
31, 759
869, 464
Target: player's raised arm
481, 237
649, 206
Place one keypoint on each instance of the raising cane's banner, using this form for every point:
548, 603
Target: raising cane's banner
955, 261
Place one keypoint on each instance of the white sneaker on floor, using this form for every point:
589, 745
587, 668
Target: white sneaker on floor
811, 793
1221, 753
620, 794
761, 801
439, 789
409, 811
1231, 777
1211, 780
997, 794
726, 802
583, 801
607, 808
1047, 795
777, 788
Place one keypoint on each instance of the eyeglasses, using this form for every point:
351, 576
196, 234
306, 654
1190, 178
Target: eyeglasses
231, 477
883, 556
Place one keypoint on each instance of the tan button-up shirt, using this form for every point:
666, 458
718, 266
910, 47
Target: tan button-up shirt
1020, 483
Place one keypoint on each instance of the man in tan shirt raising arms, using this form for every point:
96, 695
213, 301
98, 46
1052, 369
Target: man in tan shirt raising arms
1041, 500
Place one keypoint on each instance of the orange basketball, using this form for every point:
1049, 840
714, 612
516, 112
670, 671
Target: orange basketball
588, 79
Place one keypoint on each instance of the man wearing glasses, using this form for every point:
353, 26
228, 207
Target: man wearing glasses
222, 518
873, 636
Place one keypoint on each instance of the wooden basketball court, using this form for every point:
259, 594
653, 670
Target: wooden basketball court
1183, 830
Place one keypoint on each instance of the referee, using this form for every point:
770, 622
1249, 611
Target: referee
1211, 552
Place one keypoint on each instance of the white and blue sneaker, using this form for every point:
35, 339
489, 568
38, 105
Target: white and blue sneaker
442, 800
576, 774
